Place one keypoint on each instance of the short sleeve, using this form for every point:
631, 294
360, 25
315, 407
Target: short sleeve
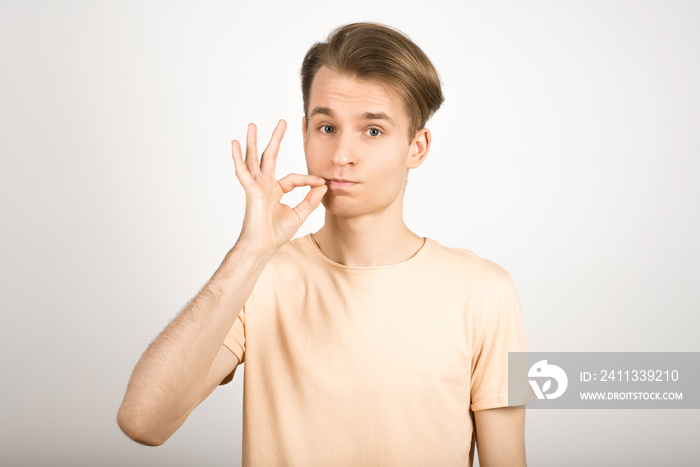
235, 339
504, 332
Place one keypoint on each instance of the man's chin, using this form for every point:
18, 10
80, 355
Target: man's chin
350, 208
340, 206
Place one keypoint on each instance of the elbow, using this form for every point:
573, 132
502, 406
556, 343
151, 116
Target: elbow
134, 429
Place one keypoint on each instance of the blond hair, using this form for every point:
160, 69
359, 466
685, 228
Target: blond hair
380, 53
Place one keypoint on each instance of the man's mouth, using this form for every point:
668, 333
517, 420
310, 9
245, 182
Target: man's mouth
339, 183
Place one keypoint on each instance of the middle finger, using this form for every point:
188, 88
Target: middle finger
269, 156
251, 150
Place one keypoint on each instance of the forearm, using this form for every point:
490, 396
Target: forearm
500, 436
168, 381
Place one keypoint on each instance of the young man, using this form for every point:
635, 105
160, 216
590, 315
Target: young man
364, 343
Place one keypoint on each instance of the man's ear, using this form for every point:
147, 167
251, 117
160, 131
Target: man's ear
420, 145
303, 129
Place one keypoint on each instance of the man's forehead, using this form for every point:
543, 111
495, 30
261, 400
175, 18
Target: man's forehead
340, 91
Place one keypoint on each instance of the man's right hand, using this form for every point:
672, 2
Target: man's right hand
269, 224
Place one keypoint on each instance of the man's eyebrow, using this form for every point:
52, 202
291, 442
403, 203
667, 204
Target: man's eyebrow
376, 116
363, 116
321, 111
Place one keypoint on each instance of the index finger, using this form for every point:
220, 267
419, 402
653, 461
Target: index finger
269, 156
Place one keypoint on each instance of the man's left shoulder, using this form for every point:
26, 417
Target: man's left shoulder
466, 264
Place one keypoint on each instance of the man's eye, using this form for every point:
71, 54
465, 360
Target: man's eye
327, 129
374, 132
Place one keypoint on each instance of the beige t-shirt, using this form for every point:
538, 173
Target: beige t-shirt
382, 365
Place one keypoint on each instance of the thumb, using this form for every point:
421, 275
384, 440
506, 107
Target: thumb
310, 202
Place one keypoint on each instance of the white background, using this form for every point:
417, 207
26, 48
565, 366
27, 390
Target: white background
567, 151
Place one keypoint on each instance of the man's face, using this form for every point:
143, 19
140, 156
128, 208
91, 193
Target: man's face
356, 132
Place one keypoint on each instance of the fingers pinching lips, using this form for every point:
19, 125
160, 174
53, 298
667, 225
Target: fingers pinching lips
292, 181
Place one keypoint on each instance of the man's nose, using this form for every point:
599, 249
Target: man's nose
343, 153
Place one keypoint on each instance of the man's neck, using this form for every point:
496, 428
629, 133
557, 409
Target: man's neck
370, 240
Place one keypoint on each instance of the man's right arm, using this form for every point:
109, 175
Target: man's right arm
181, 367
187, 361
